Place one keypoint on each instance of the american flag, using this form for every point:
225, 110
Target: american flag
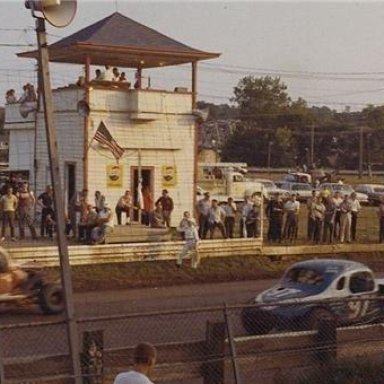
140, 200
103, 136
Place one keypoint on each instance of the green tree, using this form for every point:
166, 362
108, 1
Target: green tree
261, 100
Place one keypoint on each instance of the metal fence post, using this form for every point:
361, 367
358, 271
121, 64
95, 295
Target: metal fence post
232, 347
213, 368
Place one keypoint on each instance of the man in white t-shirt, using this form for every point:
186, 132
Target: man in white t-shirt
144, 357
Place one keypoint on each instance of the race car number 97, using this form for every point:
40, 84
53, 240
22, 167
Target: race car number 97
357, 309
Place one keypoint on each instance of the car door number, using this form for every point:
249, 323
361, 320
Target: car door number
357, 309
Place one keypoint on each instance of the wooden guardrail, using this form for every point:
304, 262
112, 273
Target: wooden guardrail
131, 252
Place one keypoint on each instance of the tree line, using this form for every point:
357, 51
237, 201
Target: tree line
274, 130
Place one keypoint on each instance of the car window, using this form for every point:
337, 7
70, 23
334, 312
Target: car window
304, 276
268, 184
340, 284
361, 282
346, 188
379, 189
361, 188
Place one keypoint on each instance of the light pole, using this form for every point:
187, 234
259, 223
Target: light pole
269, 157
58, 13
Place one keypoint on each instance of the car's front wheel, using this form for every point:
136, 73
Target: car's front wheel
51, 299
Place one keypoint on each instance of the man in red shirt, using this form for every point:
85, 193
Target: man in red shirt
167, 204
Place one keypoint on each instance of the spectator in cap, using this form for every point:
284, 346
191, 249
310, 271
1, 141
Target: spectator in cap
167, 204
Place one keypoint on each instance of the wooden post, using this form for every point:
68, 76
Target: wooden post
92, 357
326, 341
196, 134
86, 123
213, 368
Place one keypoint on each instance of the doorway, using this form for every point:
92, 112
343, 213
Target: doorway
69, 182
147, 175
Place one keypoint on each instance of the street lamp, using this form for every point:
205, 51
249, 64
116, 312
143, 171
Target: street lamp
269, 157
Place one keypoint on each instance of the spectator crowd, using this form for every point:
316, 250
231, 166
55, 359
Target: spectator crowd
327, 218
330, 218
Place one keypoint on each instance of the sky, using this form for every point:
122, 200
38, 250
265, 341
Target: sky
328, 53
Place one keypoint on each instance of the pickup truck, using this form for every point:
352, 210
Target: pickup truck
309, 291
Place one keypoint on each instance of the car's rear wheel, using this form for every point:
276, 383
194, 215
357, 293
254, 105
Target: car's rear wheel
318, 315
51, 299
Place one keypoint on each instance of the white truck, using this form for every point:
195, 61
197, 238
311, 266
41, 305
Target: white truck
235, 185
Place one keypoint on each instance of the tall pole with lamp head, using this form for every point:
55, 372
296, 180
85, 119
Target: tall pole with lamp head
59, 13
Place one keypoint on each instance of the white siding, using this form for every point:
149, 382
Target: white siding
160, 124
69, 130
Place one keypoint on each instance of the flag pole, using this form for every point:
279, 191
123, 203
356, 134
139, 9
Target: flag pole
140, 184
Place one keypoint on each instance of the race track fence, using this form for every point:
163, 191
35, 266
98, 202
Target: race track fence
212, 345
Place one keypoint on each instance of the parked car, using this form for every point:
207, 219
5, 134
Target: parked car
298, 177
375, 192
302, 190
271, 188
311, 290
344, 189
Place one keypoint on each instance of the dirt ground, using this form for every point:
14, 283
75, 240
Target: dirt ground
166, 273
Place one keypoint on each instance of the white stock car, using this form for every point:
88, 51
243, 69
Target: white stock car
312, 290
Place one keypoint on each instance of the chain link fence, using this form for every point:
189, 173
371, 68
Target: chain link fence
229, 344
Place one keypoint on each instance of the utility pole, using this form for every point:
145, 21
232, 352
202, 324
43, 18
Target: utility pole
269, 157
361, 152
46, 94
312, 145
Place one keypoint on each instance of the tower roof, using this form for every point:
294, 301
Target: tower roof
120, 41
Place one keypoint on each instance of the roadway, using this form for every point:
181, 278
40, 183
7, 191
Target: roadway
118, 302
30, 337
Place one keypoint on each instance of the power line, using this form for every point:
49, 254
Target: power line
16, 45
362, 73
